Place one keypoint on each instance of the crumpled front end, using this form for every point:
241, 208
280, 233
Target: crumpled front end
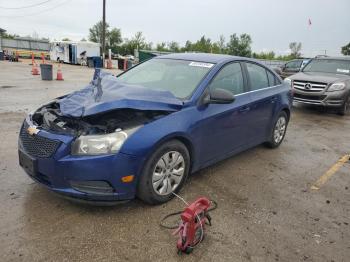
77, 150
46, 158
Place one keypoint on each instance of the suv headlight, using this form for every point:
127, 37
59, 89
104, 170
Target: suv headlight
336, 87
101, 144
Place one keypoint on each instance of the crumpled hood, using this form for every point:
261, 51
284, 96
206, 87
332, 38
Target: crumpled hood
106, 93
319, 77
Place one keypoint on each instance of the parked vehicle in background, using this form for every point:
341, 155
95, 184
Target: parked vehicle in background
143, 132
324, 81
292, 67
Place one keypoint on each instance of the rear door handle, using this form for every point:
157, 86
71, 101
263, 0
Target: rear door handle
244, 109
274, 99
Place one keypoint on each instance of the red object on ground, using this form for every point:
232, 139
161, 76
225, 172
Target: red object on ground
59, 73
35, 70
191, 230
109, 64
125, 64
43, 58
32, 58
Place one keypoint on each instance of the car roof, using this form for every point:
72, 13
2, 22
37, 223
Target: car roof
333, 58
202, 57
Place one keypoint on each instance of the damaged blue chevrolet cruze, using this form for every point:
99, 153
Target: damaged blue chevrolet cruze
142, 133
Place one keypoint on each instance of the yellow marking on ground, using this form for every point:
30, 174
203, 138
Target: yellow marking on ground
323, 179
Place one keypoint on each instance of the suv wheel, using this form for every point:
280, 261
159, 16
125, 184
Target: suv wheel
345, 107
164, 173
278, 131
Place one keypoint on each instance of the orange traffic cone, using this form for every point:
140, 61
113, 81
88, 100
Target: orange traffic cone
125, 65
35, 70
109, 64
59, 73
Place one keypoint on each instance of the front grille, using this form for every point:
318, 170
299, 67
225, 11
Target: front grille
308, 86
316, 98
36, 145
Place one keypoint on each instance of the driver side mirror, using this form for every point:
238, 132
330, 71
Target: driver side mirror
218, 96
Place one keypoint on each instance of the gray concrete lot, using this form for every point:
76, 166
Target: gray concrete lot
267, 211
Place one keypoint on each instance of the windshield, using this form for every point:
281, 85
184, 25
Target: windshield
328, 66
180, 77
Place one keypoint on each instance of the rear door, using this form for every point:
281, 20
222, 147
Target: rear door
264, 98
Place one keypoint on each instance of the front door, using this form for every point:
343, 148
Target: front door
222, 129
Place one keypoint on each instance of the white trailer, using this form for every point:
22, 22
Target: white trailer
73, 52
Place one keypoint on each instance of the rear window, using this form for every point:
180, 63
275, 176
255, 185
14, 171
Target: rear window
258, 77
333, 66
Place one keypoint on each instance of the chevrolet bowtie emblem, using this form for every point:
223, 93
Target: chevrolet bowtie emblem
32, 130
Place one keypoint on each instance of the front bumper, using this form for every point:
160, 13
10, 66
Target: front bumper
327, 99
67, 175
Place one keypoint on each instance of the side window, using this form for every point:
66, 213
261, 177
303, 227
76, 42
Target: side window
294, 64
272, 79
257, 76
229, 78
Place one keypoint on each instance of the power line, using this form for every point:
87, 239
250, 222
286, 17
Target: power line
39, 12
27, 6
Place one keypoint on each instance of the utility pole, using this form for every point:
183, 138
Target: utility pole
104, 32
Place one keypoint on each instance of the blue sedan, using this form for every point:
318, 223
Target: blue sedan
142, 133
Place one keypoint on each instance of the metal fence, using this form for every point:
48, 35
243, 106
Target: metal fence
271, 63
25, 44
142, 55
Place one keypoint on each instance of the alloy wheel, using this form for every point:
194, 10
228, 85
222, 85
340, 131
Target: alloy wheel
280, 129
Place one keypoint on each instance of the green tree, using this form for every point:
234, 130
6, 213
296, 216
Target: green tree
95, 32
114, 37
161, 47
66, 39
215, 48
174, 46
136, 42
202, 45
268, 55
345, 50
240, 46
295, 49
6, 35
188, 46
222, 44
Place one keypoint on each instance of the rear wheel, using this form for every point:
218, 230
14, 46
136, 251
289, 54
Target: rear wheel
278, 131
164, 173
345, 109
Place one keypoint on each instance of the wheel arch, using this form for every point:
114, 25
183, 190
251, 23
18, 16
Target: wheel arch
183, 139
287, 111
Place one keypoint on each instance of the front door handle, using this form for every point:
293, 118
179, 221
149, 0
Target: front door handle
244, 109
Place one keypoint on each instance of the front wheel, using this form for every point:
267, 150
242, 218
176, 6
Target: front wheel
345, 108
278, 131
164, 173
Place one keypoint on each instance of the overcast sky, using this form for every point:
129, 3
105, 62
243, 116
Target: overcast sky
272, 24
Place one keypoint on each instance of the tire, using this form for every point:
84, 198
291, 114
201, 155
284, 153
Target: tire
345, 108
159, 179
276, 139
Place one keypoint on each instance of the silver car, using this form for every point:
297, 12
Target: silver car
324, 81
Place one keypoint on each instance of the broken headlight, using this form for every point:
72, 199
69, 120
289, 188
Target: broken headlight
100, 144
